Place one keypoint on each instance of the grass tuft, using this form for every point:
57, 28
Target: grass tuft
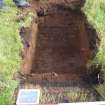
10, 46
95, 11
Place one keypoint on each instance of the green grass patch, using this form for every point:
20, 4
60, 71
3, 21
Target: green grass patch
95, 11
10, 46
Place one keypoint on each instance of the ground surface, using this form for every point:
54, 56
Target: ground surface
60, 92
10, 45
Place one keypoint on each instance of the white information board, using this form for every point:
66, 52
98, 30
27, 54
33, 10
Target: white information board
28, 97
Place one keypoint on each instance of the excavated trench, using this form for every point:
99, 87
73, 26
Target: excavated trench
59, 43
57, 48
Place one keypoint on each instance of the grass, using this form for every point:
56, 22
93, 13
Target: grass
10, 46
95, 11
60, 93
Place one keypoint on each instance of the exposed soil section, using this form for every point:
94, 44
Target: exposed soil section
57, 48
58, 45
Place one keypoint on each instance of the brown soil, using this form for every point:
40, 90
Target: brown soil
58, 45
